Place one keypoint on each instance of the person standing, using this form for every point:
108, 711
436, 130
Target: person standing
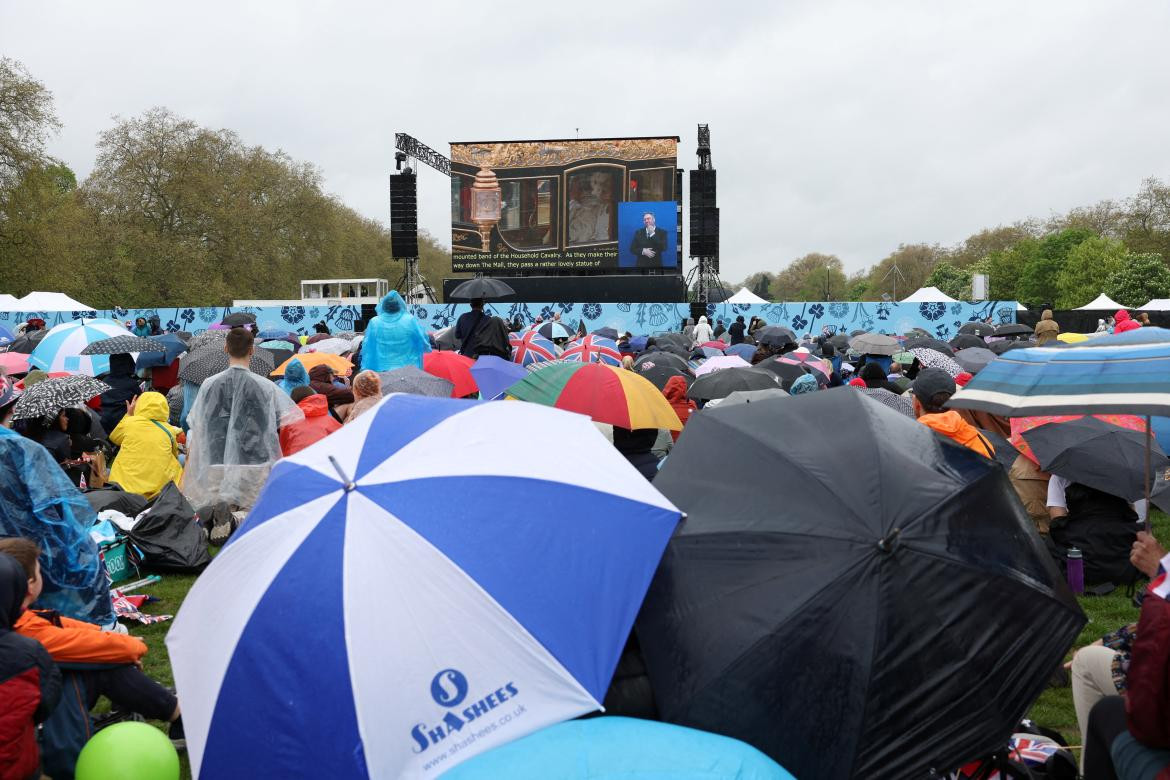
1046, 329
737, 330
394, 338
703, 332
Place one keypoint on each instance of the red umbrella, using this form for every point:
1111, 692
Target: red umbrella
454, 368
719, 345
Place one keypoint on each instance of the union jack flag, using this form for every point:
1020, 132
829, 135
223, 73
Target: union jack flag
593, 349
531, 347
1161, 584
1032, 750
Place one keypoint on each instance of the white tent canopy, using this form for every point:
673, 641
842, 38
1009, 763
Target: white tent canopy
928, 295
44, 301
1101, 303
1157, 304
745, 296
5, 300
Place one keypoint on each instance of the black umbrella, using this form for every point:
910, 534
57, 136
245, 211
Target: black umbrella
661, 358
1000, 347
123, 344
975, 359
52, 395
239, 318
787, 373
935, 344
1005, 453
857, 611
967, 341
1098, 454
671, 340
27, 342
840, 342
606, 333
775, 336
208, 361
481, 287
660, 374
980, 329
722, 383
874, 344
280, 356
555, 330
1013, 329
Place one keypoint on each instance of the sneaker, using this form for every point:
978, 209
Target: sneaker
221, 529
115, 715
177, 736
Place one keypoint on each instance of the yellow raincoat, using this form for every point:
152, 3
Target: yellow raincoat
148, 459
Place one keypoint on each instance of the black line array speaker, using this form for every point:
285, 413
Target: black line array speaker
703, 188
704, 214
404, 215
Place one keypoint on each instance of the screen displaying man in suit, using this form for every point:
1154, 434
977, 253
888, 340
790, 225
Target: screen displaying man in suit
649, 243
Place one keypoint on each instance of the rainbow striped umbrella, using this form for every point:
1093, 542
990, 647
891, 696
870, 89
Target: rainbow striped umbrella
593, 349
531, 347
607, 394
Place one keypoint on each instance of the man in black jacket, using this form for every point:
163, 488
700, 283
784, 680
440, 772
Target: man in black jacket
124, 385
649, 243
736, 330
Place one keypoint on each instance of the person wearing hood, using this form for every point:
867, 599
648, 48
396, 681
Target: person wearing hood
321, 379
804, 384
736, 331
703, 332
689, 329
875, 376
30, 683
155, 325
394, 338
637, 447
1123, 324
932, 388
295, 376
675, 391
367, 393
124, 385
1046, 329
140, 329
149, 454
318, 423
719, 329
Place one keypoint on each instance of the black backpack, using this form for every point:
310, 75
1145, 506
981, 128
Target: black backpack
1103, 528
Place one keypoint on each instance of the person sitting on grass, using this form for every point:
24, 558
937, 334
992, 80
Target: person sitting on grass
68, 641
316, 426
149, 455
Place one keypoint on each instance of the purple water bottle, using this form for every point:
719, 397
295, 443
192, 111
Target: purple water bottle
1075, 570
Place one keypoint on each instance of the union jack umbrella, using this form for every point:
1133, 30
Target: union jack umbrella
531, 347
593, 349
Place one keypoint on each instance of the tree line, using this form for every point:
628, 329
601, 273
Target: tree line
173, 214
1116, 247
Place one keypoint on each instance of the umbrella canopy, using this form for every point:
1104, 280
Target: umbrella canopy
1021, 425
1122, 374
659, 375
14, 362
554, 330
207, 338
626, 748
239, 318
427, 518
721, 362
413, 380
786, 371
745, 351
198, 365
124, 345
1005, 453
967, 341
283, 335
480, 287
719, 345
6, 336
333, 346
531, 347
974, 359
51, 395
901, 551
61, 348
310, 360
932, 359
720, 384
1000, 347
1095, 453
494, 375
607, 333
899, 403
604, 393
1013, 329
658, 358
775, 336
980, 329
453, 367
1072, 338
874, 344
753, 396
928, 343
840, 341
593, 349
709, 352
445, 338
173, 348
638, 343
806, 359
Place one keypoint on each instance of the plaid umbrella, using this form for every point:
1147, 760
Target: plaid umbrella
593, 349
531, 347
200, 364
874, 344
123, 344
934, 359
52, 395
415, 381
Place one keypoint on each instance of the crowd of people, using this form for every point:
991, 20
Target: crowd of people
218, 436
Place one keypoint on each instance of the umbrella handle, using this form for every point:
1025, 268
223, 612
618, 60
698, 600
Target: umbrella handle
1149, 446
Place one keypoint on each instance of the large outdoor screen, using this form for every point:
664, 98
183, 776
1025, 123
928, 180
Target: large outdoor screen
608, 203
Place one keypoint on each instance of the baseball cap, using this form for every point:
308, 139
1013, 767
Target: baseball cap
932, 381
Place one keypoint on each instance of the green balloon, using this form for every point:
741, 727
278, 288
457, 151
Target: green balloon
128, 751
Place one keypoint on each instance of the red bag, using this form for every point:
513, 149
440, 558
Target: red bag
1147, 703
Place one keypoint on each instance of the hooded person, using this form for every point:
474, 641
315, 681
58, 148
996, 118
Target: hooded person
155, 325
30, 683
689, 329
932, 388
141, 327
124, 385
394, 338
804, 384
675, 391
875, 377
318, 423
1123, 324
233, 440
149, 454
367, 393
295, 376
703, 332
321, 380
1046, 329
737, 329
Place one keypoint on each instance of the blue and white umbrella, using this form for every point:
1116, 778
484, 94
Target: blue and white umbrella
414, 590
60, 349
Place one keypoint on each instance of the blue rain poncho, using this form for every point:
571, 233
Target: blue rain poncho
394, 338
295, 376
38, 502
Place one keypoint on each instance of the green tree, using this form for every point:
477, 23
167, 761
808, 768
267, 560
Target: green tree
814, 277
1146, 223
1140, 278
955, 282
1085, 267
1039, 280
27, 120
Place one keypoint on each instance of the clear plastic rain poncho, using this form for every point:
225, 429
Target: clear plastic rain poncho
233, 439
38, 502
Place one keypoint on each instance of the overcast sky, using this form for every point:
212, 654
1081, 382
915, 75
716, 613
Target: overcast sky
840, 127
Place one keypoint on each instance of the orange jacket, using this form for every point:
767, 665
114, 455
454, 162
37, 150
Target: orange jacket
76, 641
675, 391
954, 427
316, 426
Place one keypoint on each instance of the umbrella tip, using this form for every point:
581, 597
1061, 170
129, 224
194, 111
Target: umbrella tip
346, 481
890, 543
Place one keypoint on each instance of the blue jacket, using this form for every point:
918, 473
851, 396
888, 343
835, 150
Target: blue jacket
394, 338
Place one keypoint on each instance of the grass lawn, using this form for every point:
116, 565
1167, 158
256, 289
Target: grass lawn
1054, 709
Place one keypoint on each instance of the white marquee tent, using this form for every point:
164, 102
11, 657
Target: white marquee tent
1101, 303
43, 301
928, 295
745, 296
